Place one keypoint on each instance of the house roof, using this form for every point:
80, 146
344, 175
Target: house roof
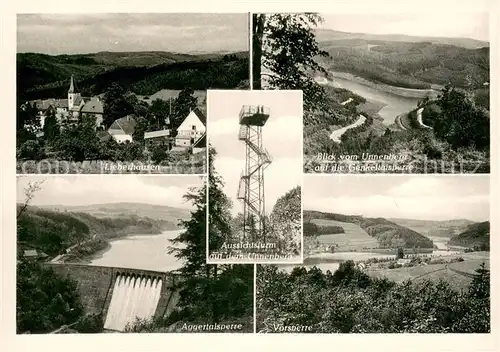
93, 106
78, 100
126, 124
33, 253
200, 115
154, 134
103, 135
201, 142
30, 253
45, 104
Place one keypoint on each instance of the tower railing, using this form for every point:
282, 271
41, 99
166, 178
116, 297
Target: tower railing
257, 158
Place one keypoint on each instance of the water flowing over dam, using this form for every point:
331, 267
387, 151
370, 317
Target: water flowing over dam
132, 297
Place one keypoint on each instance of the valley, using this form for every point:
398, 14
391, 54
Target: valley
386, 247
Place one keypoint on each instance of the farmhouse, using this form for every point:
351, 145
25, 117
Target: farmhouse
123, 129
191, 130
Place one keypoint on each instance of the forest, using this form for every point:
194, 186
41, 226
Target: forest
476, 236
409, 64
41, 76
350, 301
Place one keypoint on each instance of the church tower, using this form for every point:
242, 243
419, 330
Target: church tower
73, 95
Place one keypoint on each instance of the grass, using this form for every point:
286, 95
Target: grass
354, 238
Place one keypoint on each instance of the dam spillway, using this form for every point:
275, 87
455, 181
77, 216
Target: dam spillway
132, 297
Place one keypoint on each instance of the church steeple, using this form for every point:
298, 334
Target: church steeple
71, 86
74, 97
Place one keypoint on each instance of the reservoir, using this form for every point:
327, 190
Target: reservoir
394, 104
148, 252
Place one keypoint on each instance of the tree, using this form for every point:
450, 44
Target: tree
51, 128
204, 290
159, 113
285, 51
116, 104
185, 102
29, 194
286, 219
79, 141
28, 117
401, 253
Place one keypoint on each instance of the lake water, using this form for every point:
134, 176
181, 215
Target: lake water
148, 252
356, 256
395, 104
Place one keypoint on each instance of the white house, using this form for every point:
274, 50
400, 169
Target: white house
123, 129
191, 129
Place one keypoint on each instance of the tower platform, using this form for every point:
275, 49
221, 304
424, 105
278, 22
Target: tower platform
254, 115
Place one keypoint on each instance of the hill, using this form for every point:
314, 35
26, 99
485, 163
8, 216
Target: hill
144, 73
476, 235
118, 210
324, 35
433, 228
410, 62
387, 233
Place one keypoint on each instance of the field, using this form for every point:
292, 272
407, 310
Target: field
354, 238
459, 274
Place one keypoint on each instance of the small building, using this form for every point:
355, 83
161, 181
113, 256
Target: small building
161, 137
191, 129
34, 254
404, 261
122, 129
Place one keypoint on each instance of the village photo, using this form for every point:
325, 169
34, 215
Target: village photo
382, 92
122, 93
255, 139
406, 254
93, 258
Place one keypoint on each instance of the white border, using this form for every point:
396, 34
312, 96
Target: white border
227, 342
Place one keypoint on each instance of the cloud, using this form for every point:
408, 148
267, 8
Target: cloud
280, 177
85, 33
421, 197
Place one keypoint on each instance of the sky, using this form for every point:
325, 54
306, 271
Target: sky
90, 33
464, 24
281, 135
99, 189
424, 197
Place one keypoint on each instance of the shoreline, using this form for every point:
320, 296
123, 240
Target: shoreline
395, 90
87, 259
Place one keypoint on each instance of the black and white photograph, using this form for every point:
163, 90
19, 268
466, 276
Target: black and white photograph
93, 257
405, 254
122, 92
255, 158
396, 92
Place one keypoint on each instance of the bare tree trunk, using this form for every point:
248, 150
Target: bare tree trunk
257, 37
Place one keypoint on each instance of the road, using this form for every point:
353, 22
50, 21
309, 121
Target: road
419, 119
335, 136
